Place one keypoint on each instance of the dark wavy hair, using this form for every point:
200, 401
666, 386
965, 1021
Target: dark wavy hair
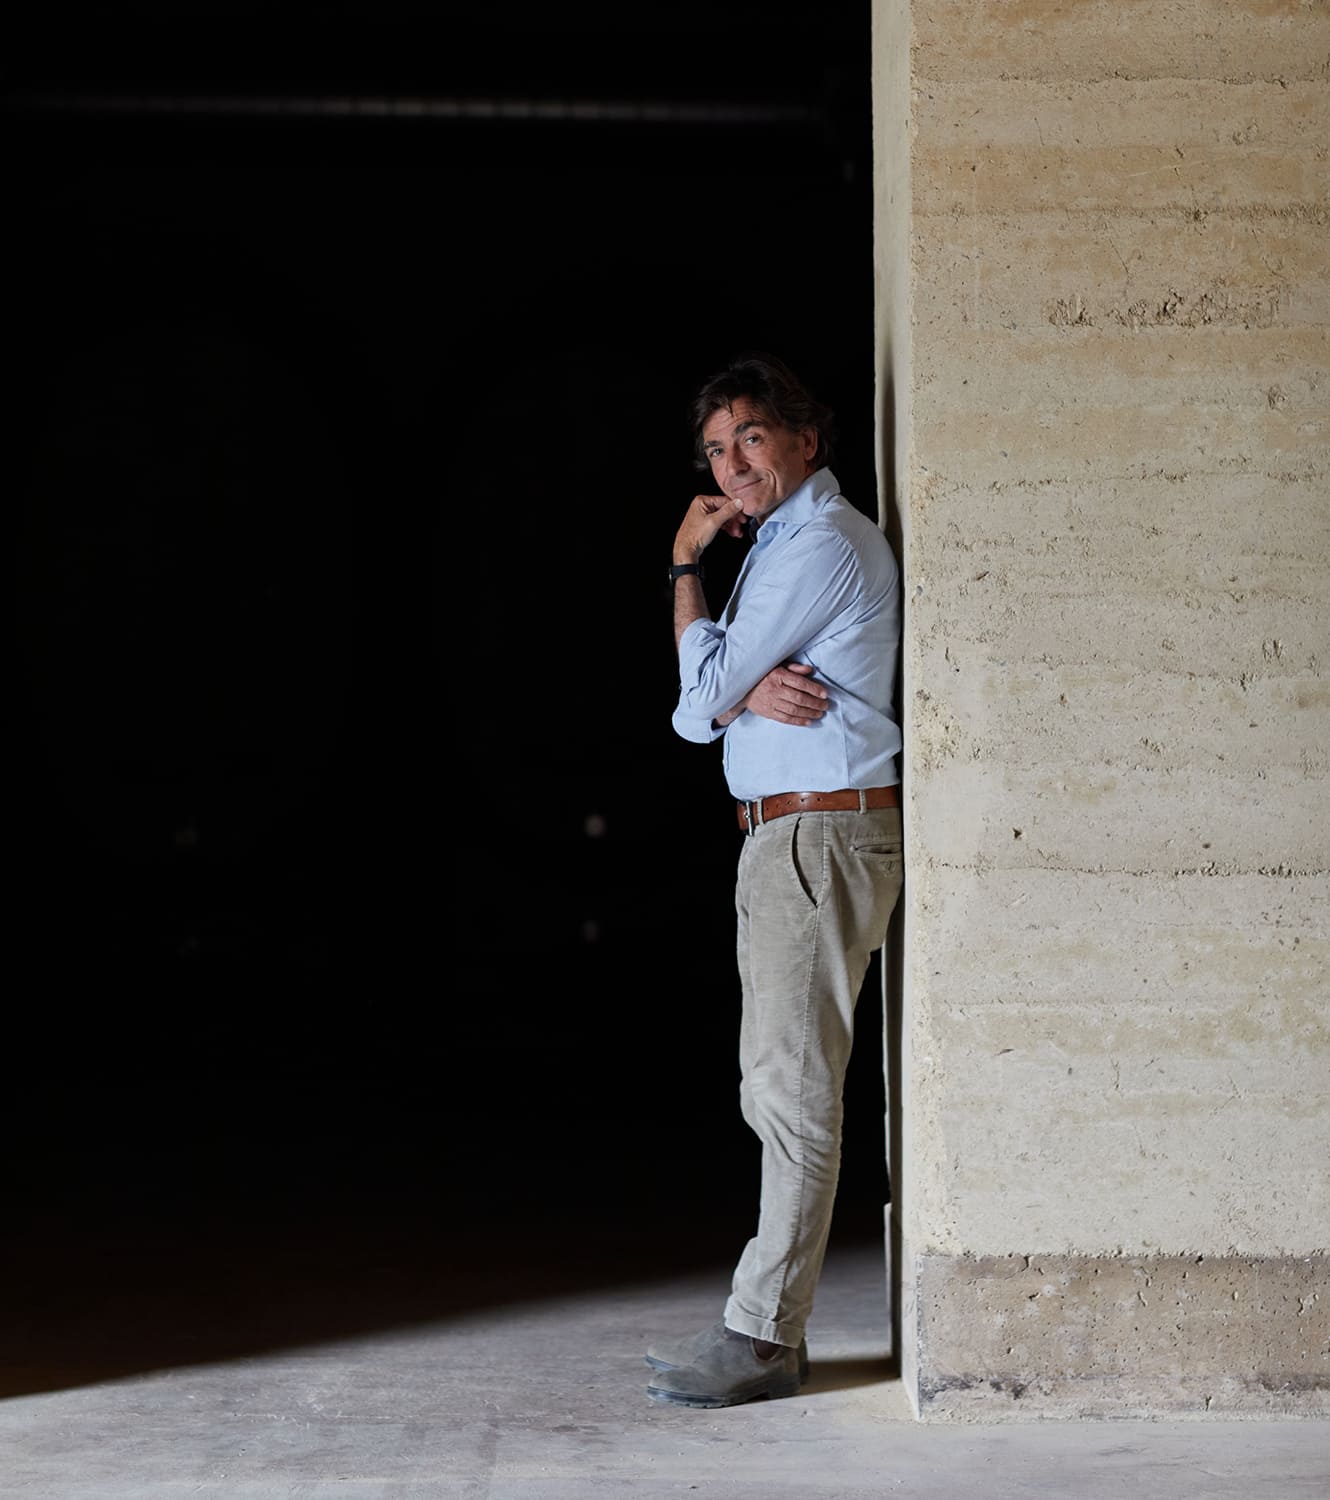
774, 389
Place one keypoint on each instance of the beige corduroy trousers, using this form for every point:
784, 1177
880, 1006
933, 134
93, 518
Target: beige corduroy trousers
814, 897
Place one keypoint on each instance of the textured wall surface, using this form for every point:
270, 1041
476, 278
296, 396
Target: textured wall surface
1104, 316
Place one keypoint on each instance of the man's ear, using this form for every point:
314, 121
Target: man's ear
809, 438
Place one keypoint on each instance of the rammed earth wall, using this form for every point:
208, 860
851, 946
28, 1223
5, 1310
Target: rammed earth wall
1104, 396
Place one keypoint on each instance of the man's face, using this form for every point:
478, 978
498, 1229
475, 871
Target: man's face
755, 460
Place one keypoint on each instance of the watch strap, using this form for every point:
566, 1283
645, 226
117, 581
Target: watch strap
678, 570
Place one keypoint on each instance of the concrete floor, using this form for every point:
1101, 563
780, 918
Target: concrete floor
502, 1386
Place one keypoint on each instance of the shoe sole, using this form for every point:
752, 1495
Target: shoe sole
660, 1364
710, 1403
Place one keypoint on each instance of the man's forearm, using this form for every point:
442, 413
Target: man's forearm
707, 515
690, 604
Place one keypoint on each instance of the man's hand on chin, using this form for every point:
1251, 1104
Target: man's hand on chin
707, 515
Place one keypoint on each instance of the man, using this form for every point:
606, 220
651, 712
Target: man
797, 676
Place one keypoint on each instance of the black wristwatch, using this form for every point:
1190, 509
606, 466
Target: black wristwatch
677, 570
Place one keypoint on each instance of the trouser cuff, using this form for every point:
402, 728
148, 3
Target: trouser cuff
762, 1328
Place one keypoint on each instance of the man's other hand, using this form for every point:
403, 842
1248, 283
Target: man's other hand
786, 695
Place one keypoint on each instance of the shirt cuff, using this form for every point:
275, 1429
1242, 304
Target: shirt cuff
699, 731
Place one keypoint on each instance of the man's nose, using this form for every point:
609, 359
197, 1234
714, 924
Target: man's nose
738, 461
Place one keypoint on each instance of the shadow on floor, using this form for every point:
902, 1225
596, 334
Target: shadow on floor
847, 1374
90, 1303
194, 1211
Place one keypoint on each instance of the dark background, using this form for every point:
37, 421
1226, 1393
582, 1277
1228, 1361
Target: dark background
365, 897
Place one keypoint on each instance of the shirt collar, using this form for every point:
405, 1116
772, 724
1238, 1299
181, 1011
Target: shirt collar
800, 505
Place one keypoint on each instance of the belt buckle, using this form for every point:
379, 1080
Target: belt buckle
753, 824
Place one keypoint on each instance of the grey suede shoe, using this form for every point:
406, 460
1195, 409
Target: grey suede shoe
673, 1354
727, 1372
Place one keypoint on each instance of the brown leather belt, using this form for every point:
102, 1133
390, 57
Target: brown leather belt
752, 815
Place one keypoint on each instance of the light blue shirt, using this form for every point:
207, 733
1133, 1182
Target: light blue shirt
820, 586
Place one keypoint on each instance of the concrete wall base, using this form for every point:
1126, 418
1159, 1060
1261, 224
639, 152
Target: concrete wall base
1031, 1336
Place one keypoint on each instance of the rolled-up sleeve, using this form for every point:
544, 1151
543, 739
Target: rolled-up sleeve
692, 719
